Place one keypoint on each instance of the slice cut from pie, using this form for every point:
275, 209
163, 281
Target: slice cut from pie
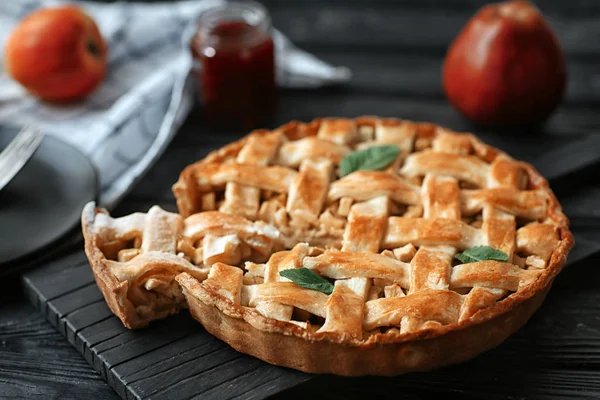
360, 246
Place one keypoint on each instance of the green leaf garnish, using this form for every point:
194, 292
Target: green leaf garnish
481, 253
371, 158
308, 279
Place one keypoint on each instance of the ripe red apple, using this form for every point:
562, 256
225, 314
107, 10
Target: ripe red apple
57, 54
505, 66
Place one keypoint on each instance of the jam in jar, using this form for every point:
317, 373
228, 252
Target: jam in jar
236, 65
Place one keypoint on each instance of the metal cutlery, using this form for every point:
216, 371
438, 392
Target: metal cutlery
18, 152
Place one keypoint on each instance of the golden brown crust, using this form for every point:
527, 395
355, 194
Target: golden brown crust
285, 343
115, 292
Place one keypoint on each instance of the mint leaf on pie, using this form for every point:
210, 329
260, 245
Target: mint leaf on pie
481, 253
371, 158
308, 279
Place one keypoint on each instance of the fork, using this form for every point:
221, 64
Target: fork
18, 152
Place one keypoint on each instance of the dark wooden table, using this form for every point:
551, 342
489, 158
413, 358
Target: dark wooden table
395, 49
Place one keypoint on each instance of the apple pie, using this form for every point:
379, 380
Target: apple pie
360, 246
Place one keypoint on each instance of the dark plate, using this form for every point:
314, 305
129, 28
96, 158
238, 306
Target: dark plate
44, 201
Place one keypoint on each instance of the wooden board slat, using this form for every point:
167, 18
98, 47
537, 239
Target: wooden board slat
578, 161
60, 277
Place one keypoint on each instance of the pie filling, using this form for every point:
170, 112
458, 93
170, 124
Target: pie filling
385, 240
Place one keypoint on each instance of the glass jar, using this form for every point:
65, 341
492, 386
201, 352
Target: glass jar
236, 66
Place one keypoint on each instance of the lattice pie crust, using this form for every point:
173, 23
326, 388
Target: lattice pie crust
386, 239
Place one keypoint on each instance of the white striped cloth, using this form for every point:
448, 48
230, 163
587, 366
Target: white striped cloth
127, 123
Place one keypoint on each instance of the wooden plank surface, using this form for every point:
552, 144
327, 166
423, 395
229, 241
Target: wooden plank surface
395, 49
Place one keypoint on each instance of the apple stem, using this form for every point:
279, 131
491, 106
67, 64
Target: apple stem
92, 47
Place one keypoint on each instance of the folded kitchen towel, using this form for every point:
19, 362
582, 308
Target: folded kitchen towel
128, 122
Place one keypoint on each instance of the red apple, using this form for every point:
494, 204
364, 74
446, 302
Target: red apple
505, 66
57, 54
